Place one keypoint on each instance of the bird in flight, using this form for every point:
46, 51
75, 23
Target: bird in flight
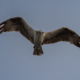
38, 38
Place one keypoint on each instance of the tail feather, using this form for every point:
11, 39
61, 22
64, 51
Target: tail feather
38, 51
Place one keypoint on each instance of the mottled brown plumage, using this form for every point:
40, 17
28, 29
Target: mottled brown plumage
62, 34
39, 38
16, 24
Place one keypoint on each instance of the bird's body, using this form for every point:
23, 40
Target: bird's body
38, 38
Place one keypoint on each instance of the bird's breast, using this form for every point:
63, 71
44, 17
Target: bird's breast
37, 40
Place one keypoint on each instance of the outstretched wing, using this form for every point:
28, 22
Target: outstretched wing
18, 24
62, 34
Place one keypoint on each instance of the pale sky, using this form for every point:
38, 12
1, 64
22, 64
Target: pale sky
60, 61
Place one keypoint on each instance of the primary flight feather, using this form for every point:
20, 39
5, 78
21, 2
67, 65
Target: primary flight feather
38, 38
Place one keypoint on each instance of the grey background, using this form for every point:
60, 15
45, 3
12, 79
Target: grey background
60, 61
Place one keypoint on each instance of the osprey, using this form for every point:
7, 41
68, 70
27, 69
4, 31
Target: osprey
38, 38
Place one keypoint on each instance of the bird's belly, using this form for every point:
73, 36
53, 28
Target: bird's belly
37, 42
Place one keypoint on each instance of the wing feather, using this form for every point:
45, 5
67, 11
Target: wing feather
18, 24
62, 34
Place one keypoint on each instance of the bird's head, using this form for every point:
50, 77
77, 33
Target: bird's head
39, 32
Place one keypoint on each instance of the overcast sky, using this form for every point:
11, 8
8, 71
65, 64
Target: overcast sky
60, 61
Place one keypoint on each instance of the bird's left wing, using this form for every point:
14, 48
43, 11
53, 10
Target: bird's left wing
62, 34
18, 24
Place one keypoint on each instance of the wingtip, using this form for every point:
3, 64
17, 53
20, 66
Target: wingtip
1, 31
2, 23
2, 28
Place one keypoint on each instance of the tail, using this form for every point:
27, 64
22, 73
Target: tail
38, 51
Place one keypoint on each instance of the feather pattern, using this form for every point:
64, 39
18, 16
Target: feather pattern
18, 24
39, 38
62, 34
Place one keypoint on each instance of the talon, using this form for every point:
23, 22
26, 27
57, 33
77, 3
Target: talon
34, 47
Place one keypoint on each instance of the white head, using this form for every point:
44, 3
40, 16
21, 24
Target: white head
39, 32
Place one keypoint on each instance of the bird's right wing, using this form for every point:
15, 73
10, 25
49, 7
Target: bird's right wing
62, 34
18, 24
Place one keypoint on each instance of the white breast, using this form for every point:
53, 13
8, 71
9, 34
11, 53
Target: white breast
37, 40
